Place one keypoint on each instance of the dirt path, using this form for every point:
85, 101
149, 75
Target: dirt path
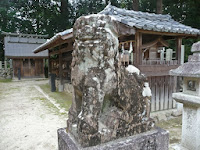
26, 123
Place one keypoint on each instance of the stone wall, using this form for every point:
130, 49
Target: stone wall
6, 73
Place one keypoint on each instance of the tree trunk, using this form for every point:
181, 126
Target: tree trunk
159, 6
136, 5
63, 6
107, 2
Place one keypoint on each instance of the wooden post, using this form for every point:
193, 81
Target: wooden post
136, 5
11, 64
49, 63
178, 49
61, 86
182, 53
159, 5
5, 64
138, 50
43, 70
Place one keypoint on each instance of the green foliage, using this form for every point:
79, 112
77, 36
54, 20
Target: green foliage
86, 7
128, 4
188, 43
52, 16
148, 6
186, 12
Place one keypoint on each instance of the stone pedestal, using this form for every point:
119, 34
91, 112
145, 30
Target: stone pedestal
191, 120
155, 139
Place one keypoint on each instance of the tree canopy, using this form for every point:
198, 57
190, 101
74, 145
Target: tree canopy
52, 16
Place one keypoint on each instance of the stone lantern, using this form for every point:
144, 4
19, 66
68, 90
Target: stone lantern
190, 98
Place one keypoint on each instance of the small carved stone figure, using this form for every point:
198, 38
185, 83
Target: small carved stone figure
109, 101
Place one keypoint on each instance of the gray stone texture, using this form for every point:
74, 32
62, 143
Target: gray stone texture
190, 98
6, 73
108, 101
195, 47
156, 139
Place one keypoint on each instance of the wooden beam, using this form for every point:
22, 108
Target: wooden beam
166, 33
151, 44
160, 70
62, 50
60, 69
178, 49
49, 63
138, 48
27, 57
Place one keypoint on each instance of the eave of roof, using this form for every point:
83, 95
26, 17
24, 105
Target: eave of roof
24, 35
148, 21
67, 34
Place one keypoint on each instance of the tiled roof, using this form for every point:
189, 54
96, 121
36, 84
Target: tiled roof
148, 21
17, 46
53, 39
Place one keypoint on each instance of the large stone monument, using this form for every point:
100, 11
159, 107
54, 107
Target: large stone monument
190, 98
110, 102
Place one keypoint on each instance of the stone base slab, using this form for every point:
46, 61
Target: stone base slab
156, 139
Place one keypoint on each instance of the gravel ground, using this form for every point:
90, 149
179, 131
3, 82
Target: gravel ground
29, 118
26, 122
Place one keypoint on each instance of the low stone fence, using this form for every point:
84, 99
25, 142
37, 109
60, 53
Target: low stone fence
6, 70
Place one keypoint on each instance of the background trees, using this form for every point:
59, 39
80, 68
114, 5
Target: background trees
52, 16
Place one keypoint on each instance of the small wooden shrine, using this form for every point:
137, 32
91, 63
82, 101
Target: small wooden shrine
19, 48
145, 41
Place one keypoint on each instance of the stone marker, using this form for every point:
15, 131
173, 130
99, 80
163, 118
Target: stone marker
182, 53
169, 54
190, 98
111, 103
162, 52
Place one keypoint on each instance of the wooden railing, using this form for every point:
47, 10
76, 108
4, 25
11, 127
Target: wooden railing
5, 64
162, 88
160, 62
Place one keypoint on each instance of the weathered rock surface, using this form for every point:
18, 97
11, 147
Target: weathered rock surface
109, 100
156, 139
6, 73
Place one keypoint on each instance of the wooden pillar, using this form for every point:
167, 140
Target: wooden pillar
60, 68
138, 50
61, 86
178, 49
11, 63
5, 64
43, 65
49, 62
22, 67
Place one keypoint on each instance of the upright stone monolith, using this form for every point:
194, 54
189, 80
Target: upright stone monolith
110, 102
